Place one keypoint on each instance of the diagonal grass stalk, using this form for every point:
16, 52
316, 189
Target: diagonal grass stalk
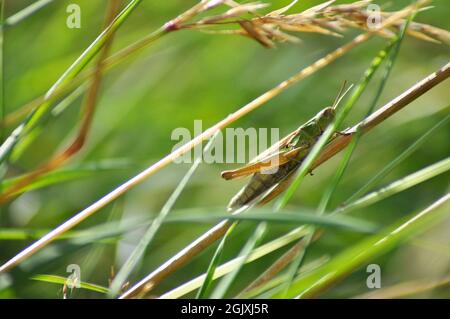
145, 241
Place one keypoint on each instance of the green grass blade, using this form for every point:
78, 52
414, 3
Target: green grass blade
229, 266
385, 53
284, 216
63, 280
398, 186
309, 160
69, 174
145, 241
204, 289
395, 162
244, 254
364, 251
102, 231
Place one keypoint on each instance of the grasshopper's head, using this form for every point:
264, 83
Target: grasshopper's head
325, 117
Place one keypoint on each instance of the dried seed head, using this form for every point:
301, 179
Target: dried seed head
276, 26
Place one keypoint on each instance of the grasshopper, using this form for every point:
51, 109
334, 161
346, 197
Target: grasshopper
273, 169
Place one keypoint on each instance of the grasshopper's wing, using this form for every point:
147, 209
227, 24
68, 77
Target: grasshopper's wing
277, 147
265, 159
264, 164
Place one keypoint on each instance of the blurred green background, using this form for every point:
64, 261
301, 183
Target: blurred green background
190, 75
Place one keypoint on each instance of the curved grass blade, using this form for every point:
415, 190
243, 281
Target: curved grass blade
38, 113
63, 280
284, 216
69, 174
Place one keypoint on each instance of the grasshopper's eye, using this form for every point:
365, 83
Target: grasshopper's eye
328, 113
325, 118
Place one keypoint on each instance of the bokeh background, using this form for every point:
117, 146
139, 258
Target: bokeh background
191, 75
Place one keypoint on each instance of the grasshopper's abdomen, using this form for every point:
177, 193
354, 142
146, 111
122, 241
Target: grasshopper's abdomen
259, 183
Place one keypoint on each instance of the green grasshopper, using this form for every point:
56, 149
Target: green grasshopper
273, 169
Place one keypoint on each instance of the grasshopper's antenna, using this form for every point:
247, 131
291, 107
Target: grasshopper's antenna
341, 94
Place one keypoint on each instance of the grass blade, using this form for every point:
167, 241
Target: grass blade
63, 280
244, 254
145, 241
204, 289
284, 216
347, 261
398, 186
69, 174
70, 73
229, 266
392, 164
